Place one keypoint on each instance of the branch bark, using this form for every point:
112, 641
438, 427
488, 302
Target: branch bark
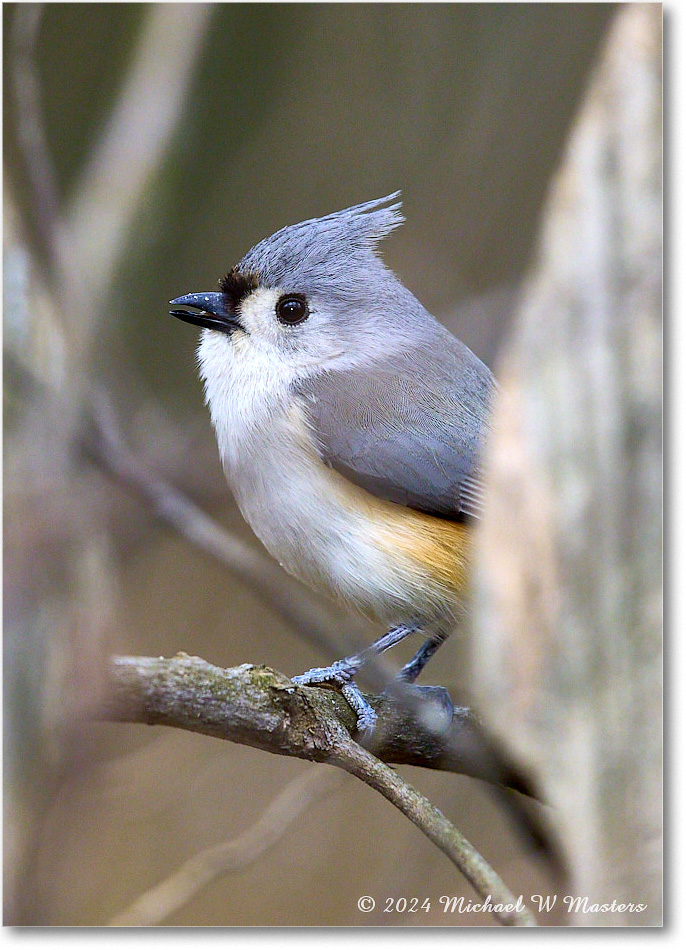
259, 707
256, 706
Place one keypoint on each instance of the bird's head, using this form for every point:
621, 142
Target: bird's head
310, 296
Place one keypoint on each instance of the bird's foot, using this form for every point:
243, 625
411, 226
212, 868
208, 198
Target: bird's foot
431, 704
366, 716
341, 674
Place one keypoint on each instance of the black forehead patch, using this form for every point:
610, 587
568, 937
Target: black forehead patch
236, 286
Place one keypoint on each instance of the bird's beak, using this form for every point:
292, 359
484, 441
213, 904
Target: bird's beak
205, 310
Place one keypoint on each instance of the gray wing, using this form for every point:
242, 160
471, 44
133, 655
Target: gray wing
409, 429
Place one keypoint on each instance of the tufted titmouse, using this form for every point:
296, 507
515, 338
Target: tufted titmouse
350, 424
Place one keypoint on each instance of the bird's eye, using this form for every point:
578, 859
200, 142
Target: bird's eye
292, 309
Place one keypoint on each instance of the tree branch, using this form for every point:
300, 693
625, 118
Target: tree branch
250, 704
31, 129
258, 707
139, 129
412, 731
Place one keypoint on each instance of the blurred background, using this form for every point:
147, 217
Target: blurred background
146, 148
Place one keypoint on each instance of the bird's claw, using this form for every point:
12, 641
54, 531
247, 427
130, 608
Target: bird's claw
341, 674
366, 716
433, 703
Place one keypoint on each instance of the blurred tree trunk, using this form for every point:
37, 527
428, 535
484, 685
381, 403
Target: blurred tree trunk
567, 639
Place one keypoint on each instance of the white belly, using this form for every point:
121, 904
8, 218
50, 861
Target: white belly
336, 538
327, 532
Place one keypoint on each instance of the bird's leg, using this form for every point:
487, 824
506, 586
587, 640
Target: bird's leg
437, 696
342, 672
414, 667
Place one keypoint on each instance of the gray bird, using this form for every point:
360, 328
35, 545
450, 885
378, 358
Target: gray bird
350, 425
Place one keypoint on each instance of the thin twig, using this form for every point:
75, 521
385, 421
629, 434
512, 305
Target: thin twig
258, 707
31, 128
84, 243
208, 865
509, 910
130, 150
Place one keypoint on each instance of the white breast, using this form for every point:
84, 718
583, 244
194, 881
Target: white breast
318, 526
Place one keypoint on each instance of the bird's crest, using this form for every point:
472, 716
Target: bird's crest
331, 252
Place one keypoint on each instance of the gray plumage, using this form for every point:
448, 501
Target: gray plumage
409, 431
407, 417
318, 363
332, 253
